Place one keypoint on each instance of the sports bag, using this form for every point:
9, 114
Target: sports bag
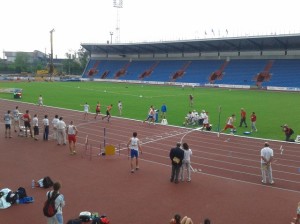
49, 208
47, 182
85, 216
21, 192
74, 221
101, 220
3, 203
11, 197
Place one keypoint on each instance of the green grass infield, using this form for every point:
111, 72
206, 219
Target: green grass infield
273, 109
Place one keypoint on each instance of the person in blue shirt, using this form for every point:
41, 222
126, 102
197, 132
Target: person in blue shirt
163, 110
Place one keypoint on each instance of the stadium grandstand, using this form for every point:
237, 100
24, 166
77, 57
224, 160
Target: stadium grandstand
271, 62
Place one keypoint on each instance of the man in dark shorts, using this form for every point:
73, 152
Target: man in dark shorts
98, 109
27, 119
35, 124
108, 109
7, 121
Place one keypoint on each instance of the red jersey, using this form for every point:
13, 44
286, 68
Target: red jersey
243, 114
26, 117
253, 117
98, 107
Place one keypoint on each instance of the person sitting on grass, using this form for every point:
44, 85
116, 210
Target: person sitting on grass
188, 119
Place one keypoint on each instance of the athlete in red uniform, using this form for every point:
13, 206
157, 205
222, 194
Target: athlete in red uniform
229, 123
98, 109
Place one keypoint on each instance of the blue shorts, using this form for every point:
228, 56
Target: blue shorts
134, 153
150, 116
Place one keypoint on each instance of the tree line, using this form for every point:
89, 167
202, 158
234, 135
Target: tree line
73, 64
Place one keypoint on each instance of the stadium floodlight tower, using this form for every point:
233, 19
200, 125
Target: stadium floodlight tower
51, 69
118, 4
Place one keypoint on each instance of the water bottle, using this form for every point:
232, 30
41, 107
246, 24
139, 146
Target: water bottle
32, 184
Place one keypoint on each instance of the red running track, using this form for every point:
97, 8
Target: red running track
226, 187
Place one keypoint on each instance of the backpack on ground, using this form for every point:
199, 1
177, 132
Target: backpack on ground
49, 208
21, 193
74, 221
11, 197
101, 220
47, 182
3, 203
85, 216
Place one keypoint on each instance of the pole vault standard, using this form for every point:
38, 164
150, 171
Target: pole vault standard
219, 120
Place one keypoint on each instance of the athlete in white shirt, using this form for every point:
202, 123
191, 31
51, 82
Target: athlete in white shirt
266, 154
134, 147
7, 121
86, 108
72, 133
16, 115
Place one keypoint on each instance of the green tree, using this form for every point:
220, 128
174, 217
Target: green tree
83, 56
22, 62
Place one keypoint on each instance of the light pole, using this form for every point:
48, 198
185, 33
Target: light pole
118, 4
111, 34
51, 69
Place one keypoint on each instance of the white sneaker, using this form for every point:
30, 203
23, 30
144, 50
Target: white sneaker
272, 182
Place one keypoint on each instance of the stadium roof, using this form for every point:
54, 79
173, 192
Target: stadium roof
250, 43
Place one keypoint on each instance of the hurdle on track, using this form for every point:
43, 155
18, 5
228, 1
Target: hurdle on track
90, 151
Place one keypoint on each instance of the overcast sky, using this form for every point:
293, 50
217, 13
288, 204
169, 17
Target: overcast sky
26, 24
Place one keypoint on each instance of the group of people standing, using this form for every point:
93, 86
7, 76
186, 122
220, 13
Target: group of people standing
243, 121
61, 131
181, 161
86, 109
